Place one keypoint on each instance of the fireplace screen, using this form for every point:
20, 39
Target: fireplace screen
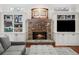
39, 35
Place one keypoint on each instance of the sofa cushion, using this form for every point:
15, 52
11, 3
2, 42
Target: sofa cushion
5, 42
1, 49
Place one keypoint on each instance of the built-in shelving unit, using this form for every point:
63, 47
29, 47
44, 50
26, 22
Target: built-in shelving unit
65, 17
13, 23
65, 23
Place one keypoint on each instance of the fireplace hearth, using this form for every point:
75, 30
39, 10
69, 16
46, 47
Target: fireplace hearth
39, 35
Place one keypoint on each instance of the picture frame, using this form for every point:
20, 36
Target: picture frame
68, 17
60, 17
17, 18
8, 20
8, 17
17, 27
39, 13
8, 29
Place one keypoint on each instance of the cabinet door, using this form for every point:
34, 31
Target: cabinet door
59, 39
77, 39
11, 36
20, 37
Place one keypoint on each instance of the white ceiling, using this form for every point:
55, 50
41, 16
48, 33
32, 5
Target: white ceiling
30, 6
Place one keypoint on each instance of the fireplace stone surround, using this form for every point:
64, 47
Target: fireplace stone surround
39, 28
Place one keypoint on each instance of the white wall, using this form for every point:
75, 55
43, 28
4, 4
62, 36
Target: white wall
60, 39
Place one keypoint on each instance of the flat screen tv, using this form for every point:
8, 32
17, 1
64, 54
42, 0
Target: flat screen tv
65, 25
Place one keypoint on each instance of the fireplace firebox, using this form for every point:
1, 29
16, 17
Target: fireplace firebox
39, 35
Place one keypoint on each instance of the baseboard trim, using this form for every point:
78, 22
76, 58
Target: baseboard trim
17, 43
66, 45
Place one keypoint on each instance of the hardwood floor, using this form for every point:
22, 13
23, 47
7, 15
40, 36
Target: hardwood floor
75, 48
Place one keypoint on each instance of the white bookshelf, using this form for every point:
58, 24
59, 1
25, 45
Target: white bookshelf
13, 22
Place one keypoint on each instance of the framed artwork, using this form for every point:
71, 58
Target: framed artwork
8, 24
8, 29
68, 17
35, 13
18, 18
8, 17
39, 13
73, 17
8, 20
18, 27
18, 30
60, 17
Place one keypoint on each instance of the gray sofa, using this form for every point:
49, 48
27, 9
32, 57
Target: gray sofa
7, 49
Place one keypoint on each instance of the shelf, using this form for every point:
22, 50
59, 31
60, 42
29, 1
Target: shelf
11, 25
65, 17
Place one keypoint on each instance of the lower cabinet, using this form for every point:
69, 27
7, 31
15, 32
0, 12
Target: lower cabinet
66, 39
19, 37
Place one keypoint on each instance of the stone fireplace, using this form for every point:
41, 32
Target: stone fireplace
39, 32
39, 35
39, 29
